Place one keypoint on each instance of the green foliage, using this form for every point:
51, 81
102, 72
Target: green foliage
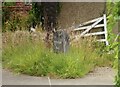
118, 8
34, 59
13, 21
8, 3
5, 15
36, 12
117, 80
113, 13
17, 22
6, 11
118, 66
36, 15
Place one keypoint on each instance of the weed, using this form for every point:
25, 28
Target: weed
33, 58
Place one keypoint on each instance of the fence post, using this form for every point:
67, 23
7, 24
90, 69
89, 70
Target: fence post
105, 29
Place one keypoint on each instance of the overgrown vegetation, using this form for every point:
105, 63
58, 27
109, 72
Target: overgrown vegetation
12, 20
24, 54
31, 57
17, 22
113, 12
38, 15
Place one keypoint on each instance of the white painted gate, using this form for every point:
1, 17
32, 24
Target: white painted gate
94, 24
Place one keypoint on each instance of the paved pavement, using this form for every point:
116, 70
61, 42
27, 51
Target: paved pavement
100, 76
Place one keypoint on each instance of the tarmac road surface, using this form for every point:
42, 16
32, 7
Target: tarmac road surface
100, 76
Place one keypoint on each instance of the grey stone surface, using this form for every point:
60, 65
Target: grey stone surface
9, 78
100, 76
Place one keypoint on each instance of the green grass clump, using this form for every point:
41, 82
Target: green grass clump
33, 58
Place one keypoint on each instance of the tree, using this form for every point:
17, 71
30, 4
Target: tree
50, 13
46, 13
35, 13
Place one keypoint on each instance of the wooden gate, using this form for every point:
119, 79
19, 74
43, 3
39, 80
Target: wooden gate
95, 23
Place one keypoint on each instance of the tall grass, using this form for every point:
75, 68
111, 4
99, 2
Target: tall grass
33, 58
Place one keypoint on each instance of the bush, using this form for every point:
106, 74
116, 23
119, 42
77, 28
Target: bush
33, 58
17, 22
113, 12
